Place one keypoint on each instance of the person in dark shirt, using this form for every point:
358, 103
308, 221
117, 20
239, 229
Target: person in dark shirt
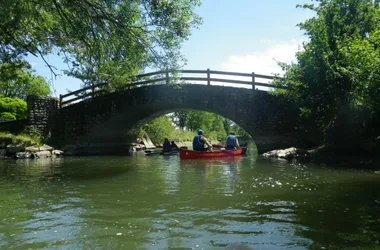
173, 146
166, 146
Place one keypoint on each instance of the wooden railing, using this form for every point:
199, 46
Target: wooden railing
166, 77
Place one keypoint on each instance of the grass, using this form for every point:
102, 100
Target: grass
20, 139
182, 136
188, 136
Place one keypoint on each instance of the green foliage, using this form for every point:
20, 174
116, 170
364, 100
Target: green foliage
159, 129
12, 108
17, 80
215, 126
26, 140
6, 137
179, 118
100, 40
187, 123
21, 139
180, 135
33, 133
339, 64
362, 60
8, 115
200, 120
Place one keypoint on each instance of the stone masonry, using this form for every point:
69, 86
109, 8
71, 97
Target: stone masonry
111, 119
41, 112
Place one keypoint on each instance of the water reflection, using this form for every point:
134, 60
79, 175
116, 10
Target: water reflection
164, 203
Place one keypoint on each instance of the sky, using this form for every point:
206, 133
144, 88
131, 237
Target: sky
240, 36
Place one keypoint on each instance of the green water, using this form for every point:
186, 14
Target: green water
162, 202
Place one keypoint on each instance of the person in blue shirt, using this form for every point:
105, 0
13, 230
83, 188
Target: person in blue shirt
231, 141
200, 141
166, 146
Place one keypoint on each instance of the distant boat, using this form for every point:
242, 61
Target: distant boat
172, 152
191, 154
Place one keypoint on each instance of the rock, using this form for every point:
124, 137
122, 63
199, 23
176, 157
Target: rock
289, 153
3, 152
57, 152
139, 147
23, 155
12, 148
46, 148
42, 154
32, 149
148, 142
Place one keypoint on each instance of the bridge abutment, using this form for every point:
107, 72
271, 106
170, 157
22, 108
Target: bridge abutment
40, 114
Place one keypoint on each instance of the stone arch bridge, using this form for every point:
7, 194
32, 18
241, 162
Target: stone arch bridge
106, 123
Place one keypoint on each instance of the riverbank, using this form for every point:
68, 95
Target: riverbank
24, 147
326, 155
336, 157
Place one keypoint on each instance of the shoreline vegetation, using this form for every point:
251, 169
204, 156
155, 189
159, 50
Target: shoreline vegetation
325, 155
24, 146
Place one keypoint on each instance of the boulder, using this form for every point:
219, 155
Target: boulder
46, 148
23, 155
57, 152
148, 142
13, 148
289, 153
42, 154
32, 149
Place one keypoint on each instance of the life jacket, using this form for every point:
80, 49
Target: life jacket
231, 141
197, 144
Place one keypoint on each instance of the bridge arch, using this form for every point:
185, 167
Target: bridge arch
110, 119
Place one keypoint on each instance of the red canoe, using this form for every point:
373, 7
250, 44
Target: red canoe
190, 154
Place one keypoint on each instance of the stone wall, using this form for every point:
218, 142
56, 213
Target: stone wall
41, 111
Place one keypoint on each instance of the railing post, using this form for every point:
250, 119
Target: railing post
92, 91
208, 77
60, 101
253, 81
167, 77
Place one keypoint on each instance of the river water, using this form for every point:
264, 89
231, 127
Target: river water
162, 202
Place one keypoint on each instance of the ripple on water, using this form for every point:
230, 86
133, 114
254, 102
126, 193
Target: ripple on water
127, 203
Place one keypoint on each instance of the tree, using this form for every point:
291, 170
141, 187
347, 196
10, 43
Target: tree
199, 120
17, 80
325, 78
362, 57
12, 108
159, 129
179, 118
100, 40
